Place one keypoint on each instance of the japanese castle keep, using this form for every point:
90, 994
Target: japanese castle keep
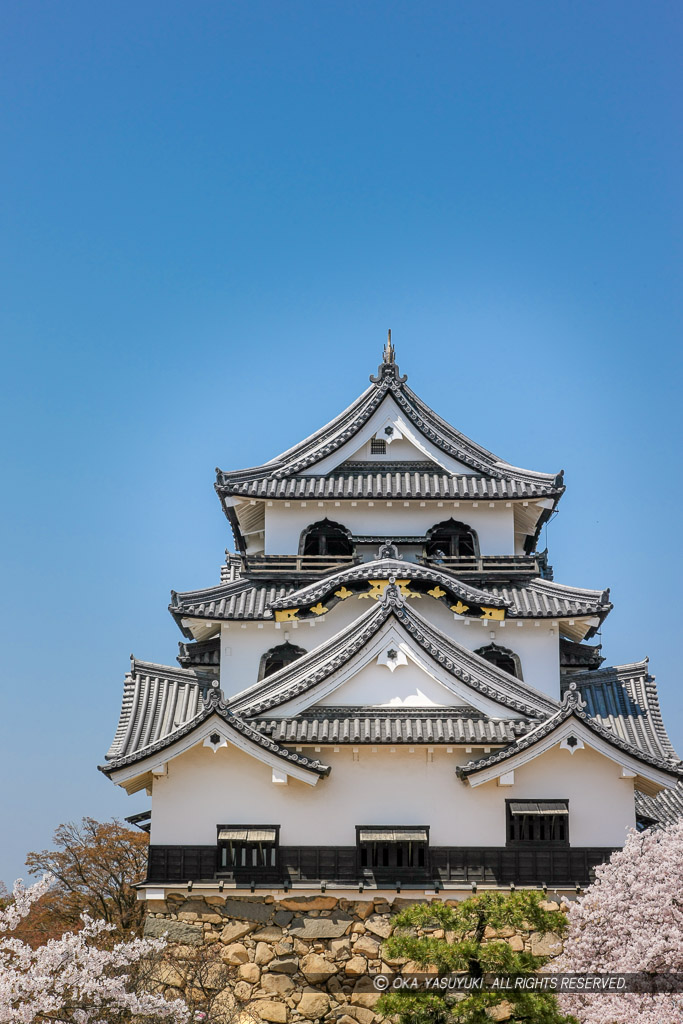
387, 690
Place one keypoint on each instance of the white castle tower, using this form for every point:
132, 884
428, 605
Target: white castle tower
387, 689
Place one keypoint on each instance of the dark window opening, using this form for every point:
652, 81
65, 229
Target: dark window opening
326, 538
451, 539
277, 657
393, 849
503, 658
537, 821
252, 848
378, 446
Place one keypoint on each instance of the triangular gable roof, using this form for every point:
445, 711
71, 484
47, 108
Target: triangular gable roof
133, 746
307, 672
339, 431
573, 708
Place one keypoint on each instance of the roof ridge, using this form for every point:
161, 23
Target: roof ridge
138, 667
539, 583
228, 588
610, 670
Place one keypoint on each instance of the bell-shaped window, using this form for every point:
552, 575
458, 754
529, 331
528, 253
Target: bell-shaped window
503, 658
326, 538
277, 657
452, 540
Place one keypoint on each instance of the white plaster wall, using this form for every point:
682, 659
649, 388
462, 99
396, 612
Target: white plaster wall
400, 450
407, 686
284, 525
203, 789
537, 647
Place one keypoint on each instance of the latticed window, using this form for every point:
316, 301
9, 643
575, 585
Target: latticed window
393, 849
452, 539
247, 847
277, 657
537, 821
378, 446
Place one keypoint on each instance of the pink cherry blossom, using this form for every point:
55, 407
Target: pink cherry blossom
69, 980
630, 920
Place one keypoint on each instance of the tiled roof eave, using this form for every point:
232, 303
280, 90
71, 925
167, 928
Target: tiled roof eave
379, 483
215, 707
384, 726
669, 766
534, 599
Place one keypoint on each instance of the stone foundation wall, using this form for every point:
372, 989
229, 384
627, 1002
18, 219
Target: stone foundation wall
299, 958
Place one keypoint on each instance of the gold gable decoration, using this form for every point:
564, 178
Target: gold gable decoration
493, 613
286, 614
460, 608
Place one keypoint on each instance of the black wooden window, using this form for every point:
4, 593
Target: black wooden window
277, 657
392, 849
247, 847
452, 539
537, 821
503, 658
378, 446
326, 538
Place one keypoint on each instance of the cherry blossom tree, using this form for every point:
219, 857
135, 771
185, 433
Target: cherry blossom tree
630, 920
70, 980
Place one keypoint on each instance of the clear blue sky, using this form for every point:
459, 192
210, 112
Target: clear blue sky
211, 212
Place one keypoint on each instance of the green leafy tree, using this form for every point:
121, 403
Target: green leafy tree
461, 939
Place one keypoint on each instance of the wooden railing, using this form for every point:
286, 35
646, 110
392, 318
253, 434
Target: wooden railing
276, 564
530, 864
488, 565
492, 566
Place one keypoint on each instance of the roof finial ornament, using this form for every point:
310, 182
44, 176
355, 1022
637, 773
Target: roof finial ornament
392, 596
213, 697
388, 370
389, 354
572, 698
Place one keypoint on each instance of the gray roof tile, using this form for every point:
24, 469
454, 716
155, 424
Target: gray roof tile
249, 599
382, 482
345, 725
202, 654
584, 656
148, 740
625, 699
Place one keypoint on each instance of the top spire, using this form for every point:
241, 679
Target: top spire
388, 367
389, 354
